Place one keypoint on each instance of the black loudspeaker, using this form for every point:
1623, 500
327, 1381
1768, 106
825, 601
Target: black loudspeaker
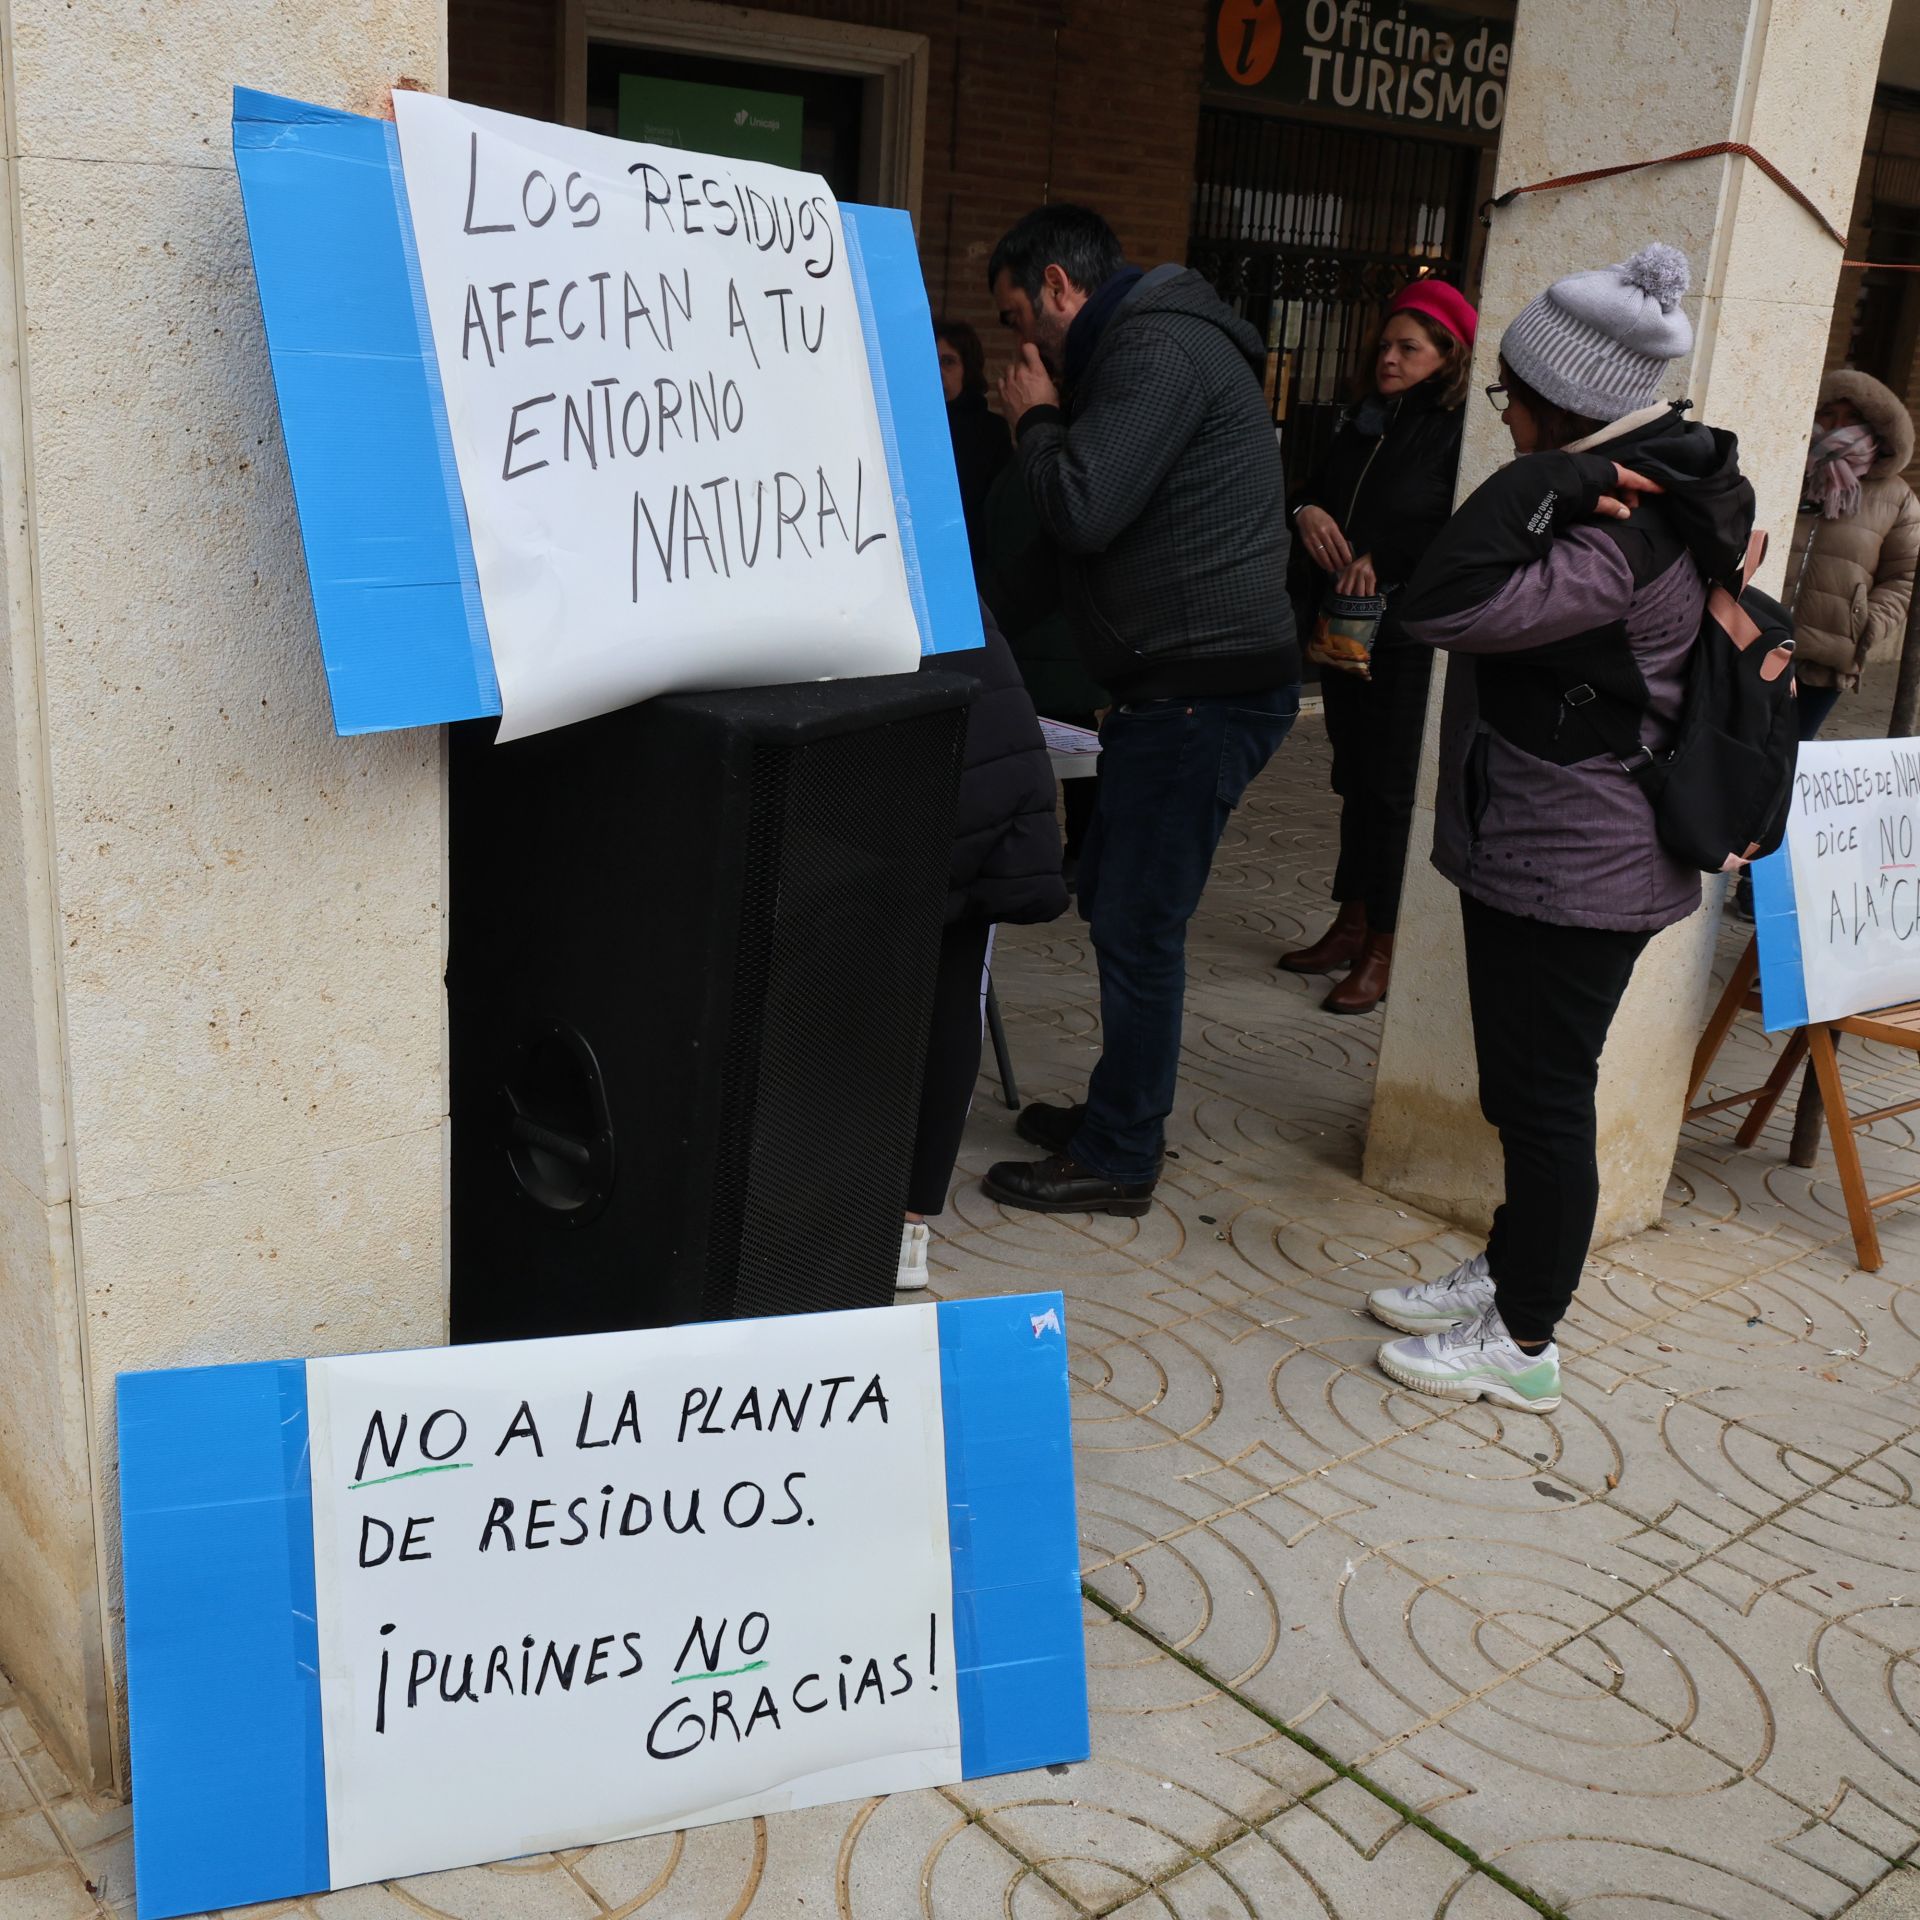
689, 979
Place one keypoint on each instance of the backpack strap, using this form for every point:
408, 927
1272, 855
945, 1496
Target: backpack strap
1568, 701
1723, 601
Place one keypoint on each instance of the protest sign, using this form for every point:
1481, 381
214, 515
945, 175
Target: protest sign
725, 463
402, 1612
657, 388
1837, 908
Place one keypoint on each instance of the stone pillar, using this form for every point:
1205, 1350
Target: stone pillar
1594, 86
222, 1098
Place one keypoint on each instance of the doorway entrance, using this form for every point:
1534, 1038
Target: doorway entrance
744, 110
739, 80
1307, 230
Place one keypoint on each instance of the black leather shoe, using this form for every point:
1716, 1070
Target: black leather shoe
1061, 1185
1050, 1127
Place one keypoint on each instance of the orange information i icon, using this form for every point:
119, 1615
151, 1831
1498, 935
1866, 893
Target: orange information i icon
1247, 33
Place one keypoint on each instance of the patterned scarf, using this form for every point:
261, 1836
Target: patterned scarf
1836, 466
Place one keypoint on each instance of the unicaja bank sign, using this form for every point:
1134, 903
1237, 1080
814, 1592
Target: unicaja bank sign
1412, 65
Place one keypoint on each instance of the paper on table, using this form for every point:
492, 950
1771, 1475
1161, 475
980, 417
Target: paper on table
1061, 738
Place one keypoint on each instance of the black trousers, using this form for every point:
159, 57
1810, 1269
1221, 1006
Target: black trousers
1815, 703
1543, 998
953, 1064
1375, 727
1077, 797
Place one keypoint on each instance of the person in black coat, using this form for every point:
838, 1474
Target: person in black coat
1382, 493
981, 443
1004, 865
1019, 577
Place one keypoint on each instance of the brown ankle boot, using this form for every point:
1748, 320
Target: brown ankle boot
1336, 948
1366, 985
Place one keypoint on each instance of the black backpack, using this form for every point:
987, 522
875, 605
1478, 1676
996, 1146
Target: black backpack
1721, 792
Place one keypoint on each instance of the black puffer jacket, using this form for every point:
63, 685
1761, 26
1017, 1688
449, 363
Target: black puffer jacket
1161, 485
1387, 480
982, 445
1005, 863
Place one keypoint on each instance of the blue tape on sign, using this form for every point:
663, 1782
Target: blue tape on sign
1776, 924
389, 556
216, 1524
913, 421
1019, 1645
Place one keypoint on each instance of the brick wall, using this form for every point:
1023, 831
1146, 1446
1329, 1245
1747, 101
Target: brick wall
505, 54
1094, 100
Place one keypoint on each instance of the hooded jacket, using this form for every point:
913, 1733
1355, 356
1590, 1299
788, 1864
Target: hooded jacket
1537, 594
1849, 581
1020, 581
1160, 482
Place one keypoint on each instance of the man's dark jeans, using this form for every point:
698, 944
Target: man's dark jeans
1171, 771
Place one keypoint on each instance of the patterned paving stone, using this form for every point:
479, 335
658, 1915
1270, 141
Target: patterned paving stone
1657, 1653
1307, 1862
1591, 1769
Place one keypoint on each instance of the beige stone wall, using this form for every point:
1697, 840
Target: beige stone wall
1591, 87
221, 928
49, 1614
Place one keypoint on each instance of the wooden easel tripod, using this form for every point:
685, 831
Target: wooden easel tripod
1892, 1026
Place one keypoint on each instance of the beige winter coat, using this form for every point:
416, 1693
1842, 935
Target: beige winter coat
1849, 581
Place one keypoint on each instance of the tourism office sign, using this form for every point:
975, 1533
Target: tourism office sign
1412, 65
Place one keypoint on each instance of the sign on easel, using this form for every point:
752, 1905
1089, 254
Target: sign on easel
1837, 908
395, 1613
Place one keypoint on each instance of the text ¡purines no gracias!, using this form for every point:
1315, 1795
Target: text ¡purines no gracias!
394, 1449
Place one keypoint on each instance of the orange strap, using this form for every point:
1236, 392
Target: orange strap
1739, 147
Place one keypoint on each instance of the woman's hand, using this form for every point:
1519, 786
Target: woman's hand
1357, 579
1629, 486
1321, 536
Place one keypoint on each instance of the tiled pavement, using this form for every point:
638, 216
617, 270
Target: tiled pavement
1353, 1653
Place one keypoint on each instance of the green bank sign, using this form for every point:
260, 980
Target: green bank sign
1409, 64
734, 122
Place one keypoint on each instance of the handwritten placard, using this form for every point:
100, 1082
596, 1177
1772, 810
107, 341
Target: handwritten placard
395, 1613
389, 548
1838, 907
661, 411
706, 1578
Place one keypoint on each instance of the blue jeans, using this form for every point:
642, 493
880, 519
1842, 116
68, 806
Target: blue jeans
1171, 771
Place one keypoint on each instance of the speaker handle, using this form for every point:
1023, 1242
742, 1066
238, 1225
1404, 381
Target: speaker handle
555, 1127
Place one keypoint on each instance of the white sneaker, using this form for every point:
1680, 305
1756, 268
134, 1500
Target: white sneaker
1477, 1361
912, 1276
1460, 1296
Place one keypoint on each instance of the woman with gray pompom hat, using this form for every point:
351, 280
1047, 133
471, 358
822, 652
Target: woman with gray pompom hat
1569, 588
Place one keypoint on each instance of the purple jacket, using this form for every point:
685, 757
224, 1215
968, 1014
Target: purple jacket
1524, 566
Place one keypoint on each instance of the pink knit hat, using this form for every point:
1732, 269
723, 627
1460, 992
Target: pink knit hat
1440, 302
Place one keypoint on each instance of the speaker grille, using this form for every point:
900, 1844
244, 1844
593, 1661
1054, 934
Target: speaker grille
819, 1116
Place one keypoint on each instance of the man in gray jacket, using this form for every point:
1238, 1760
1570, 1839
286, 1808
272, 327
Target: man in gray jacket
1147, 447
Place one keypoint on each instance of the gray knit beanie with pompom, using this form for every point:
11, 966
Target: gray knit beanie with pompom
1598, 343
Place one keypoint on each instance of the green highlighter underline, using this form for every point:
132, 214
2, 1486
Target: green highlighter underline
411, 1473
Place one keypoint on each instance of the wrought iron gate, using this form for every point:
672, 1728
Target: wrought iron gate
1307, 231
